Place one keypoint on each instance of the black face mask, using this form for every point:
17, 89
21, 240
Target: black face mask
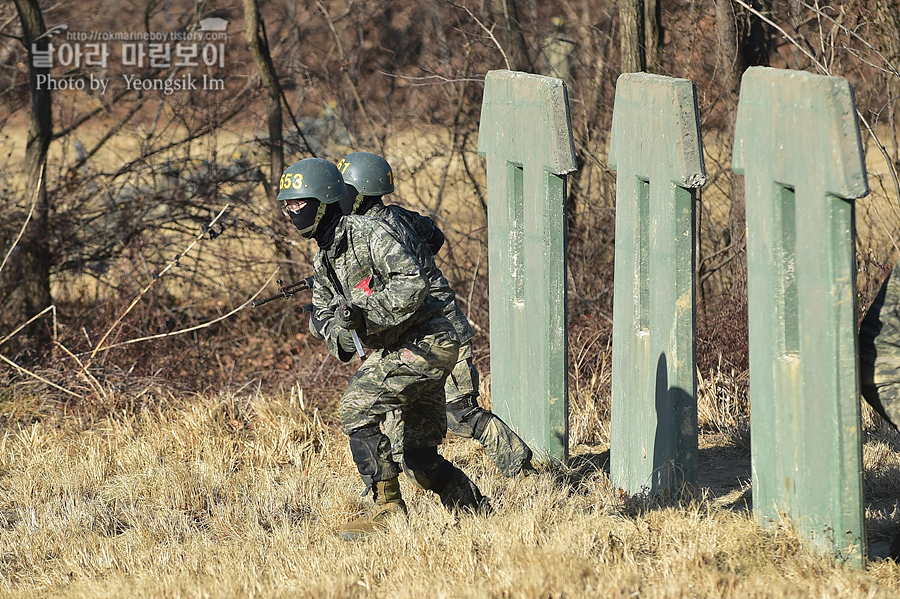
307, 217
350, 201
324, 233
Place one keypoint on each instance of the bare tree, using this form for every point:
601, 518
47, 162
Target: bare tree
730, 58
31, 267
505, 15
741, 43
631, 38
652, 36
254, 30
640, 35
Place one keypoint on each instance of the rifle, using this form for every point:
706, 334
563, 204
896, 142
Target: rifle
307, 283
287, 292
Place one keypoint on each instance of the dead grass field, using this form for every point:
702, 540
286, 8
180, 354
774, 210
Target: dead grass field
239, 496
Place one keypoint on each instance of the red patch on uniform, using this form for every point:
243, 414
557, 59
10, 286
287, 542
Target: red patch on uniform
364, 285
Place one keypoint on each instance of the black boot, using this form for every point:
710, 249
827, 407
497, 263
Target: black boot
432, 472
461, 494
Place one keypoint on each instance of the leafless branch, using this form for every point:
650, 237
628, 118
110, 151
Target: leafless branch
785, 35
489, 32
39, 377
827, 71
348, 79
28, 322
433, 79
34, 200
193, 328
150, 284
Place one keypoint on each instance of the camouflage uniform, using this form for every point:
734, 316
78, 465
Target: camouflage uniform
879, 361
879, 351
416, 347
465, 418
368, 283
405, 379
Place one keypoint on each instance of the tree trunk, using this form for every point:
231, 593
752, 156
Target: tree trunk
754, 41
31, 267
887, 17
631, 24
730, 57
732, 68
652, 36
254, 30
259, 50
509, 34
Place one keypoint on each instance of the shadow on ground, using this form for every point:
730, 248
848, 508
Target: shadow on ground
725, 479
724, 473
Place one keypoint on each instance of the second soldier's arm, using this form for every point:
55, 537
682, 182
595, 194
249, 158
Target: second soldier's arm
429, 232
436, 241
425, 228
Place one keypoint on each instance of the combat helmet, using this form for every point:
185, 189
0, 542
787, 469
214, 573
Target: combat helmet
369, 174
319, 183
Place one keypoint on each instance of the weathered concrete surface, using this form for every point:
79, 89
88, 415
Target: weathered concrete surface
797, 145
526, 136
656, 151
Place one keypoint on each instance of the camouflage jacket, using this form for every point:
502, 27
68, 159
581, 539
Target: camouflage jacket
879, 351
371, 267
415, 229
420, 226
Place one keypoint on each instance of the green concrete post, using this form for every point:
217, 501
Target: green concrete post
656, 151
526, 136
797, 145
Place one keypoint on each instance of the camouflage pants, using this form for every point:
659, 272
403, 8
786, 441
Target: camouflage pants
463, 381
879, 351
407, 380
466, 419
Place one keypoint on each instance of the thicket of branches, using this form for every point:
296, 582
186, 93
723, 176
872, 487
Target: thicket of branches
133, 177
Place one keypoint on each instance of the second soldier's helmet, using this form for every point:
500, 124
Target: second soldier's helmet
319, 183
369, 174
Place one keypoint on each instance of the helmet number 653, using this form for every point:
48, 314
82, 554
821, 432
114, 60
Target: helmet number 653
288, 181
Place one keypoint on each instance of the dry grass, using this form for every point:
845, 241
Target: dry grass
228, 496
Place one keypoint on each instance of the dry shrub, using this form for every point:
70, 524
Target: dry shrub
723, 406
190, 463
590, 379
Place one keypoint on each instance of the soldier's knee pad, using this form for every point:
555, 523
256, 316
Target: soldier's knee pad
502, 445
481, 421
371, 452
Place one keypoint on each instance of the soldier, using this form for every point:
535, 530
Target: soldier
879, 352
370, 290
879, 360
368, 177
